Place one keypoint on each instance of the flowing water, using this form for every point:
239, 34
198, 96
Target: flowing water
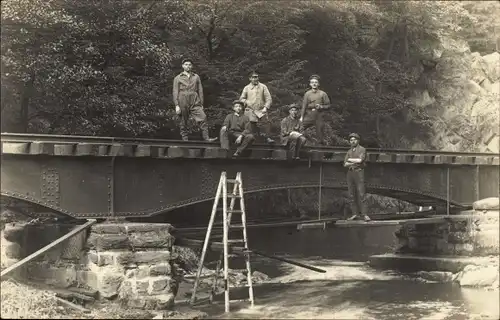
349, 289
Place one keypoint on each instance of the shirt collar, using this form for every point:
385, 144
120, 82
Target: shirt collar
186, 74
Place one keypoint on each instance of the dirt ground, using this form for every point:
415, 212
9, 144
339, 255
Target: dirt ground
23, 301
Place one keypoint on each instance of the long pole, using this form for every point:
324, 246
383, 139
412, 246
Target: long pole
320, 185
207, 236
448, 191
47, 247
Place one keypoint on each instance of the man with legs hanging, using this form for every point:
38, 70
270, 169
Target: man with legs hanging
236, 129
292, 131
355, 161
188, 101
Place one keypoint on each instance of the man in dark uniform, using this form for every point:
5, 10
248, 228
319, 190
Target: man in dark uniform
188, 101
315, 101
237, 129
291, 131
355, 161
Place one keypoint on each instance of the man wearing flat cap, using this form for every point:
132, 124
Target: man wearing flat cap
257, 99
291, 131
314, 103
355, 164
236, 129
188, 101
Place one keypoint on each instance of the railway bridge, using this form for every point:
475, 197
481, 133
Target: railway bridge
100, 177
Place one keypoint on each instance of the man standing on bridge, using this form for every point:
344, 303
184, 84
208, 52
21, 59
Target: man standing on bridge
291, 131
315, 101
355, 164
188, 101
257, 99
237, 129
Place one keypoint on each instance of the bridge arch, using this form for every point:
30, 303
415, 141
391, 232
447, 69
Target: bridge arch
55, 210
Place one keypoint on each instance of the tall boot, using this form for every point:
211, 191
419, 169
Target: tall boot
298, 145
204, 132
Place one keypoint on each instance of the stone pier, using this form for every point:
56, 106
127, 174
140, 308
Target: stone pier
130, 262
466, 245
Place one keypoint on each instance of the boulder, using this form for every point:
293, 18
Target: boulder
491, 66
492, 203
478, 276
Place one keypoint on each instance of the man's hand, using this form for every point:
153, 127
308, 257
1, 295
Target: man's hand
264, 110
301, 119
318, 106
239, 139
177, 110
223, 129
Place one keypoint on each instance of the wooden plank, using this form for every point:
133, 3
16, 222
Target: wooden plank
63, 149
73, 305
15, 148
48, 247
37, 147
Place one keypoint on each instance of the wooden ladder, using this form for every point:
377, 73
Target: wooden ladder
227, 214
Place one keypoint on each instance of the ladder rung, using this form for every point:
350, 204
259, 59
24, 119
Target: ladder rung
236, 240
232, 211
236, 226
233, 196
232, 181
240, 300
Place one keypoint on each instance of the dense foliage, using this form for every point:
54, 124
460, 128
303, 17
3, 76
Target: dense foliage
106, 68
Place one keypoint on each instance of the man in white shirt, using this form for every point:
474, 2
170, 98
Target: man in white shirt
257, 99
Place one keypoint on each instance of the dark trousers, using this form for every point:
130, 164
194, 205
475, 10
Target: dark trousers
226, 138
314, 119
262, 128
294, 144
356, 187
191, 108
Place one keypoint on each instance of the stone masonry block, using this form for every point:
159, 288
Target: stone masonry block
163, 269
109, 282
158, 285
108, 228
111, 241
13, 250
88, 278
148, 227
142, 286
152, 240
14, 233
148, 257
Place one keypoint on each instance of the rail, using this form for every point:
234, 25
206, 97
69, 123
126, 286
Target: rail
72, 139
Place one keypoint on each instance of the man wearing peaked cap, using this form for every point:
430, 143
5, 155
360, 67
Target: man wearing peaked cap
236, 129
188, 101
292, 131
314, 103
355, 164
257, 99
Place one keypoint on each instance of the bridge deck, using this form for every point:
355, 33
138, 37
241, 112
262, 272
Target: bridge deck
67, 145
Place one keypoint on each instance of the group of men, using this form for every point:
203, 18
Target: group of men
249, 119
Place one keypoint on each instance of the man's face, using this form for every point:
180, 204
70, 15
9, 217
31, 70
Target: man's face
294, 112
314, 83
237, 108
353, 141
254, 79
187, 66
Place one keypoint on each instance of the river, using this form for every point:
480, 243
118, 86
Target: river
349, 289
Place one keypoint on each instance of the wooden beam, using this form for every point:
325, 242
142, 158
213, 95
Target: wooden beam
48, 247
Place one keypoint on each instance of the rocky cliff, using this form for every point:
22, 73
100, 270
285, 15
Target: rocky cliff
462, 98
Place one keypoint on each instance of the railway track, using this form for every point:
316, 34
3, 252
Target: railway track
73, 139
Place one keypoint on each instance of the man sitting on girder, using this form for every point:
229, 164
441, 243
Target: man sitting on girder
355, 163
236, 129
292, 131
